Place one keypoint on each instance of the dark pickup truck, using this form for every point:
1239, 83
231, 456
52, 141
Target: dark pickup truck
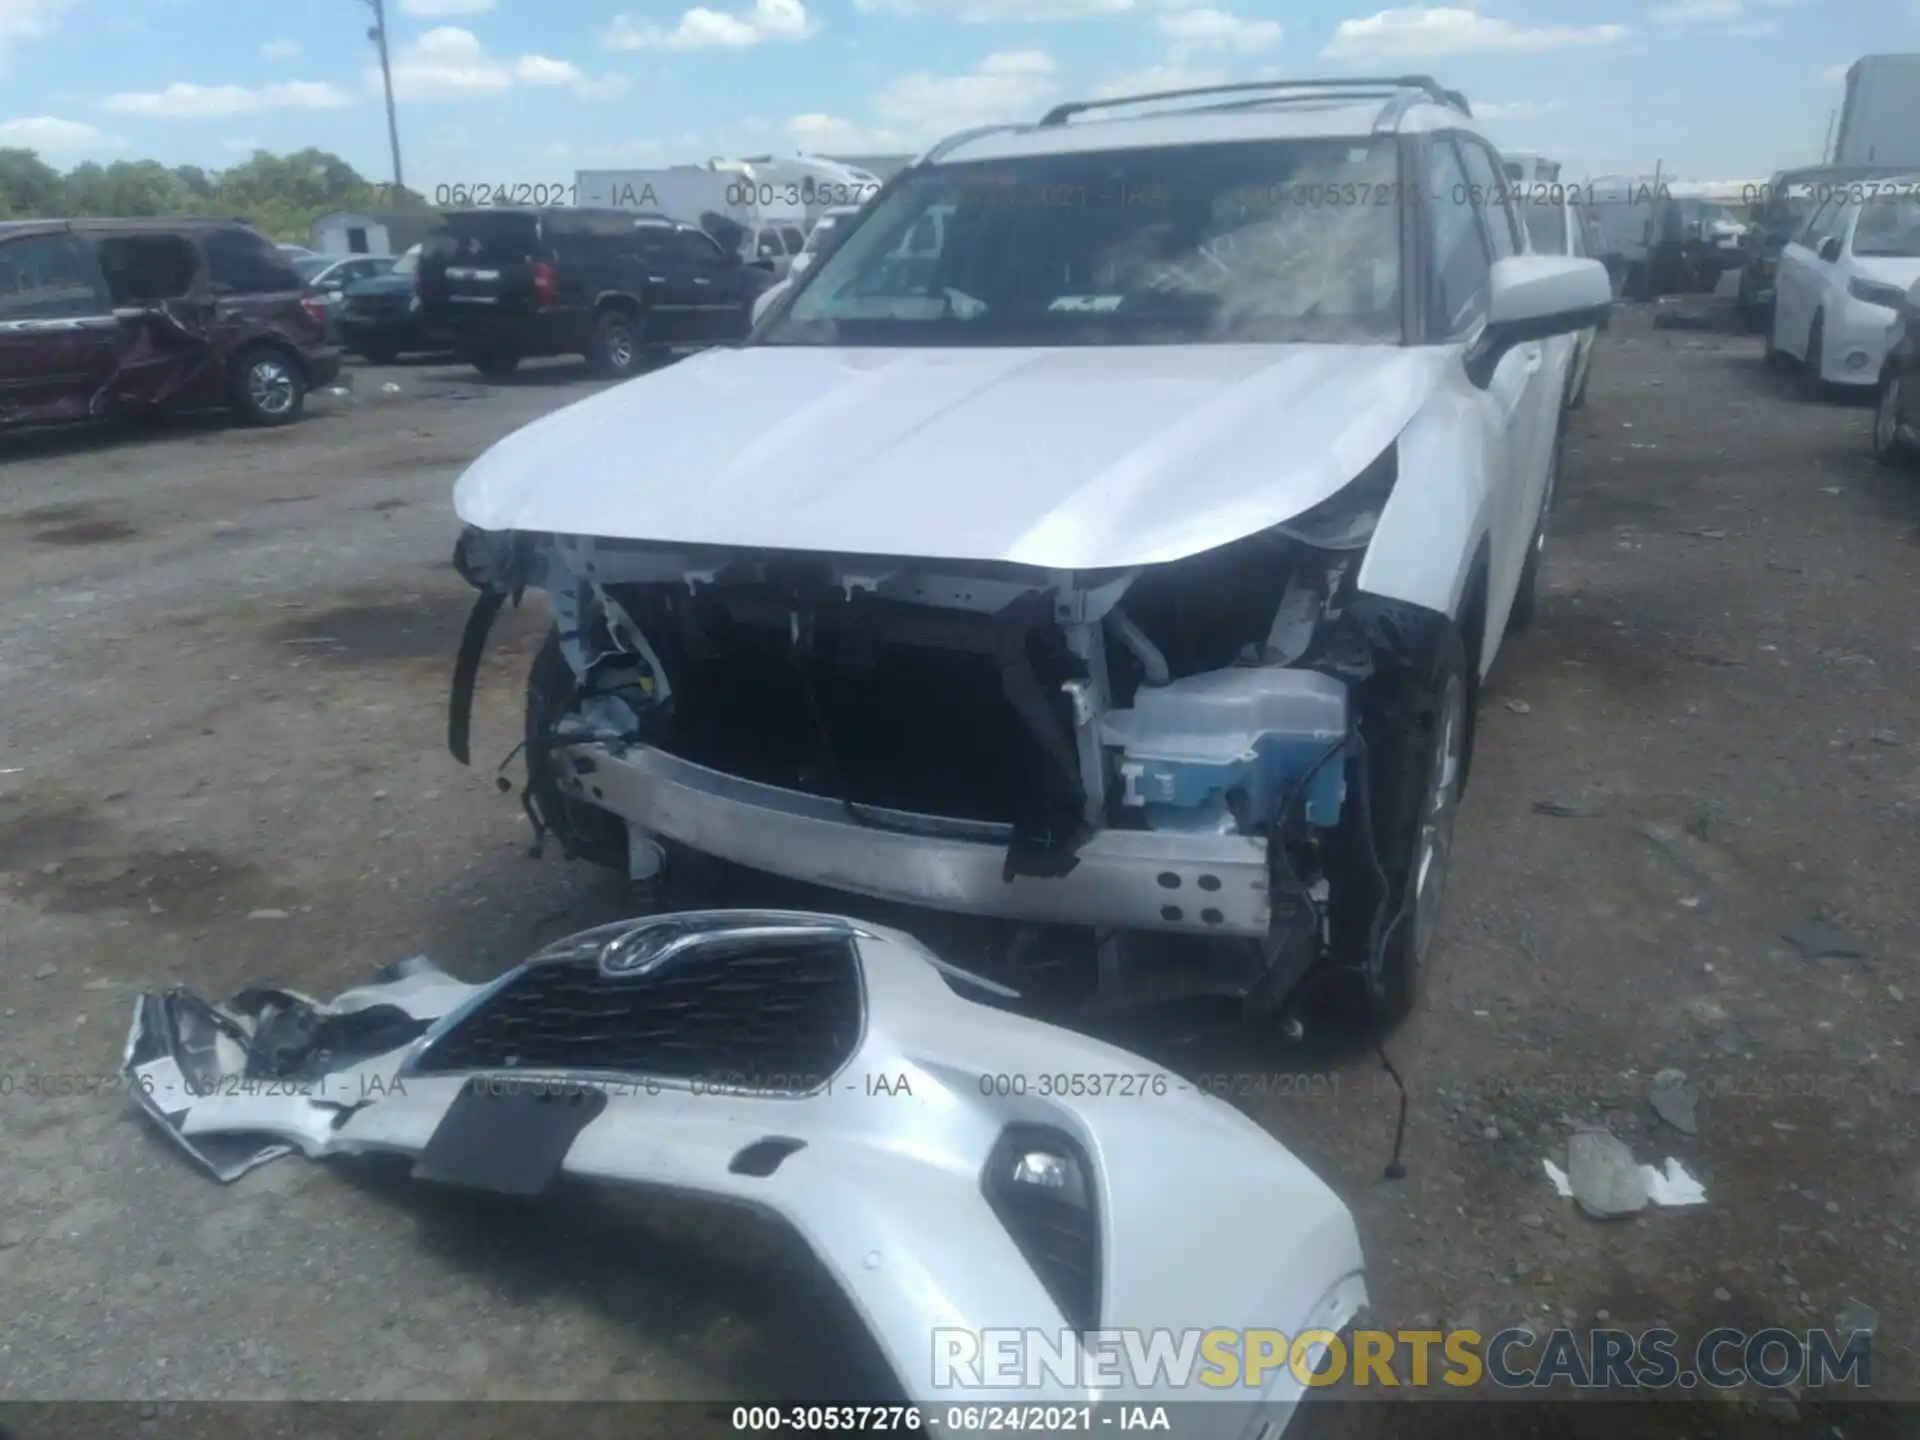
499, 286
103, 318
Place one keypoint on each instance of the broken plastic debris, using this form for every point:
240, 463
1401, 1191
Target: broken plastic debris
1815, 939
1569, 809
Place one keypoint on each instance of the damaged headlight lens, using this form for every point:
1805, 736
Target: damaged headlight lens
1039, 1183
1345, 520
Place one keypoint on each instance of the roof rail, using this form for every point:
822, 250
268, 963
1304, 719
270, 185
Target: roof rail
1367, 85
962, 138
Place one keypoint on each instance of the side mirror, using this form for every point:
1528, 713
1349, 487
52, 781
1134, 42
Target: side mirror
1830, 249
1532, 297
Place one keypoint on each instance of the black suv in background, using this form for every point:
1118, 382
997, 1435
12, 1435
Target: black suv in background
499, 286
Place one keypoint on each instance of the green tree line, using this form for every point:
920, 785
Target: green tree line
281, 195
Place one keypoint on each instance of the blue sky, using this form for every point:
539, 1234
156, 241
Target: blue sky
514, 90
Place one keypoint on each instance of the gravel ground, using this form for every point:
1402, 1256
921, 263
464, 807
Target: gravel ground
224, 657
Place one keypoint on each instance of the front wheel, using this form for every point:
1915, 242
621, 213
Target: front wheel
1889, 446
268, 387
615, 350
1417, 729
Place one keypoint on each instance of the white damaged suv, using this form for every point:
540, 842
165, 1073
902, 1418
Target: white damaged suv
1110, 532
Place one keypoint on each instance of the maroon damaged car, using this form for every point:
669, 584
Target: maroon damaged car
107, 318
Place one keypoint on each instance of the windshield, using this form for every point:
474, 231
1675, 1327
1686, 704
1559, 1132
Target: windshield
1889, 225
1547, 227
310, 266
1254, 241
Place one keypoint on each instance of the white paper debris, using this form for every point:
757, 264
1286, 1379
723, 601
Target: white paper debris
1670, 1186
1673, 1186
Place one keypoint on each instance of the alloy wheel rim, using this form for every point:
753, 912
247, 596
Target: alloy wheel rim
1435, 852
620, 348
270, 387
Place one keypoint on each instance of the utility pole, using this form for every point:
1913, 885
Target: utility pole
1826, 149
378, 34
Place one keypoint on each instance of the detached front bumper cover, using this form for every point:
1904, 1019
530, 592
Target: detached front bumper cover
956, 1168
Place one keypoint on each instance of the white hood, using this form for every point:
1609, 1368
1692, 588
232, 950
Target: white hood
1080, 457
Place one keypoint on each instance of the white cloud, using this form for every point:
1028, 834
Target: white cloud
829, 134
281, 49
704, 29
445, 63
448, 63
918, 109
1722, 17
442, 9
53, 136
1009, 86
1836, 74
182, 101
27, 20
1420, 33
1516, 109
1219, 30
1000, 11
538, 70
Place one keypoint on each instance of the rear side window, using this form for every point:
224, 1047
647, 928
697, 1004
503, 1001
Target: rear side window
1459, 259
140, 269
242, 263
49, 277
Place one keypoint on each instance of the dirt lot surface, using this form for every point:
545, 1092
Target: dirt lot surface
224, 657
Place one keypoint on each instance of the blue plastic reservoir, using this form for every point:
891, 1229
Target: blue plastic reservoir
1256, 729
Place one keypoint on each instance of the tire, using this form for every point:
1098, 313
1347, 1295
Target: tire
584, 831
1417, 723
617, 350
496, 360
1889, 448
1526, 599
267, 386
380, 354
1812, 385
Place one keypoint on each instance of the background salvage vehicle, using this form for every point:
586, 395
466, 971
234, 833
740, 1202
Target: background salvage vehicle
1189, 504
380, 317
1778, 214
1841, 284
328, 277
101, 318
501, 286
1896, 413
1557, 228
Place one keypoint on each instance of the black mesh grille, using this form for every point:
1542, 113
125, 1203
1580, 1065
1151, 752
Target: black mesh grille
784, 1015
1058, 1237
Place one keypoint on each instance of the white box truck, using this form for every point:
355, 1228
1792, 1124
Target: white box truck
1880, 118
